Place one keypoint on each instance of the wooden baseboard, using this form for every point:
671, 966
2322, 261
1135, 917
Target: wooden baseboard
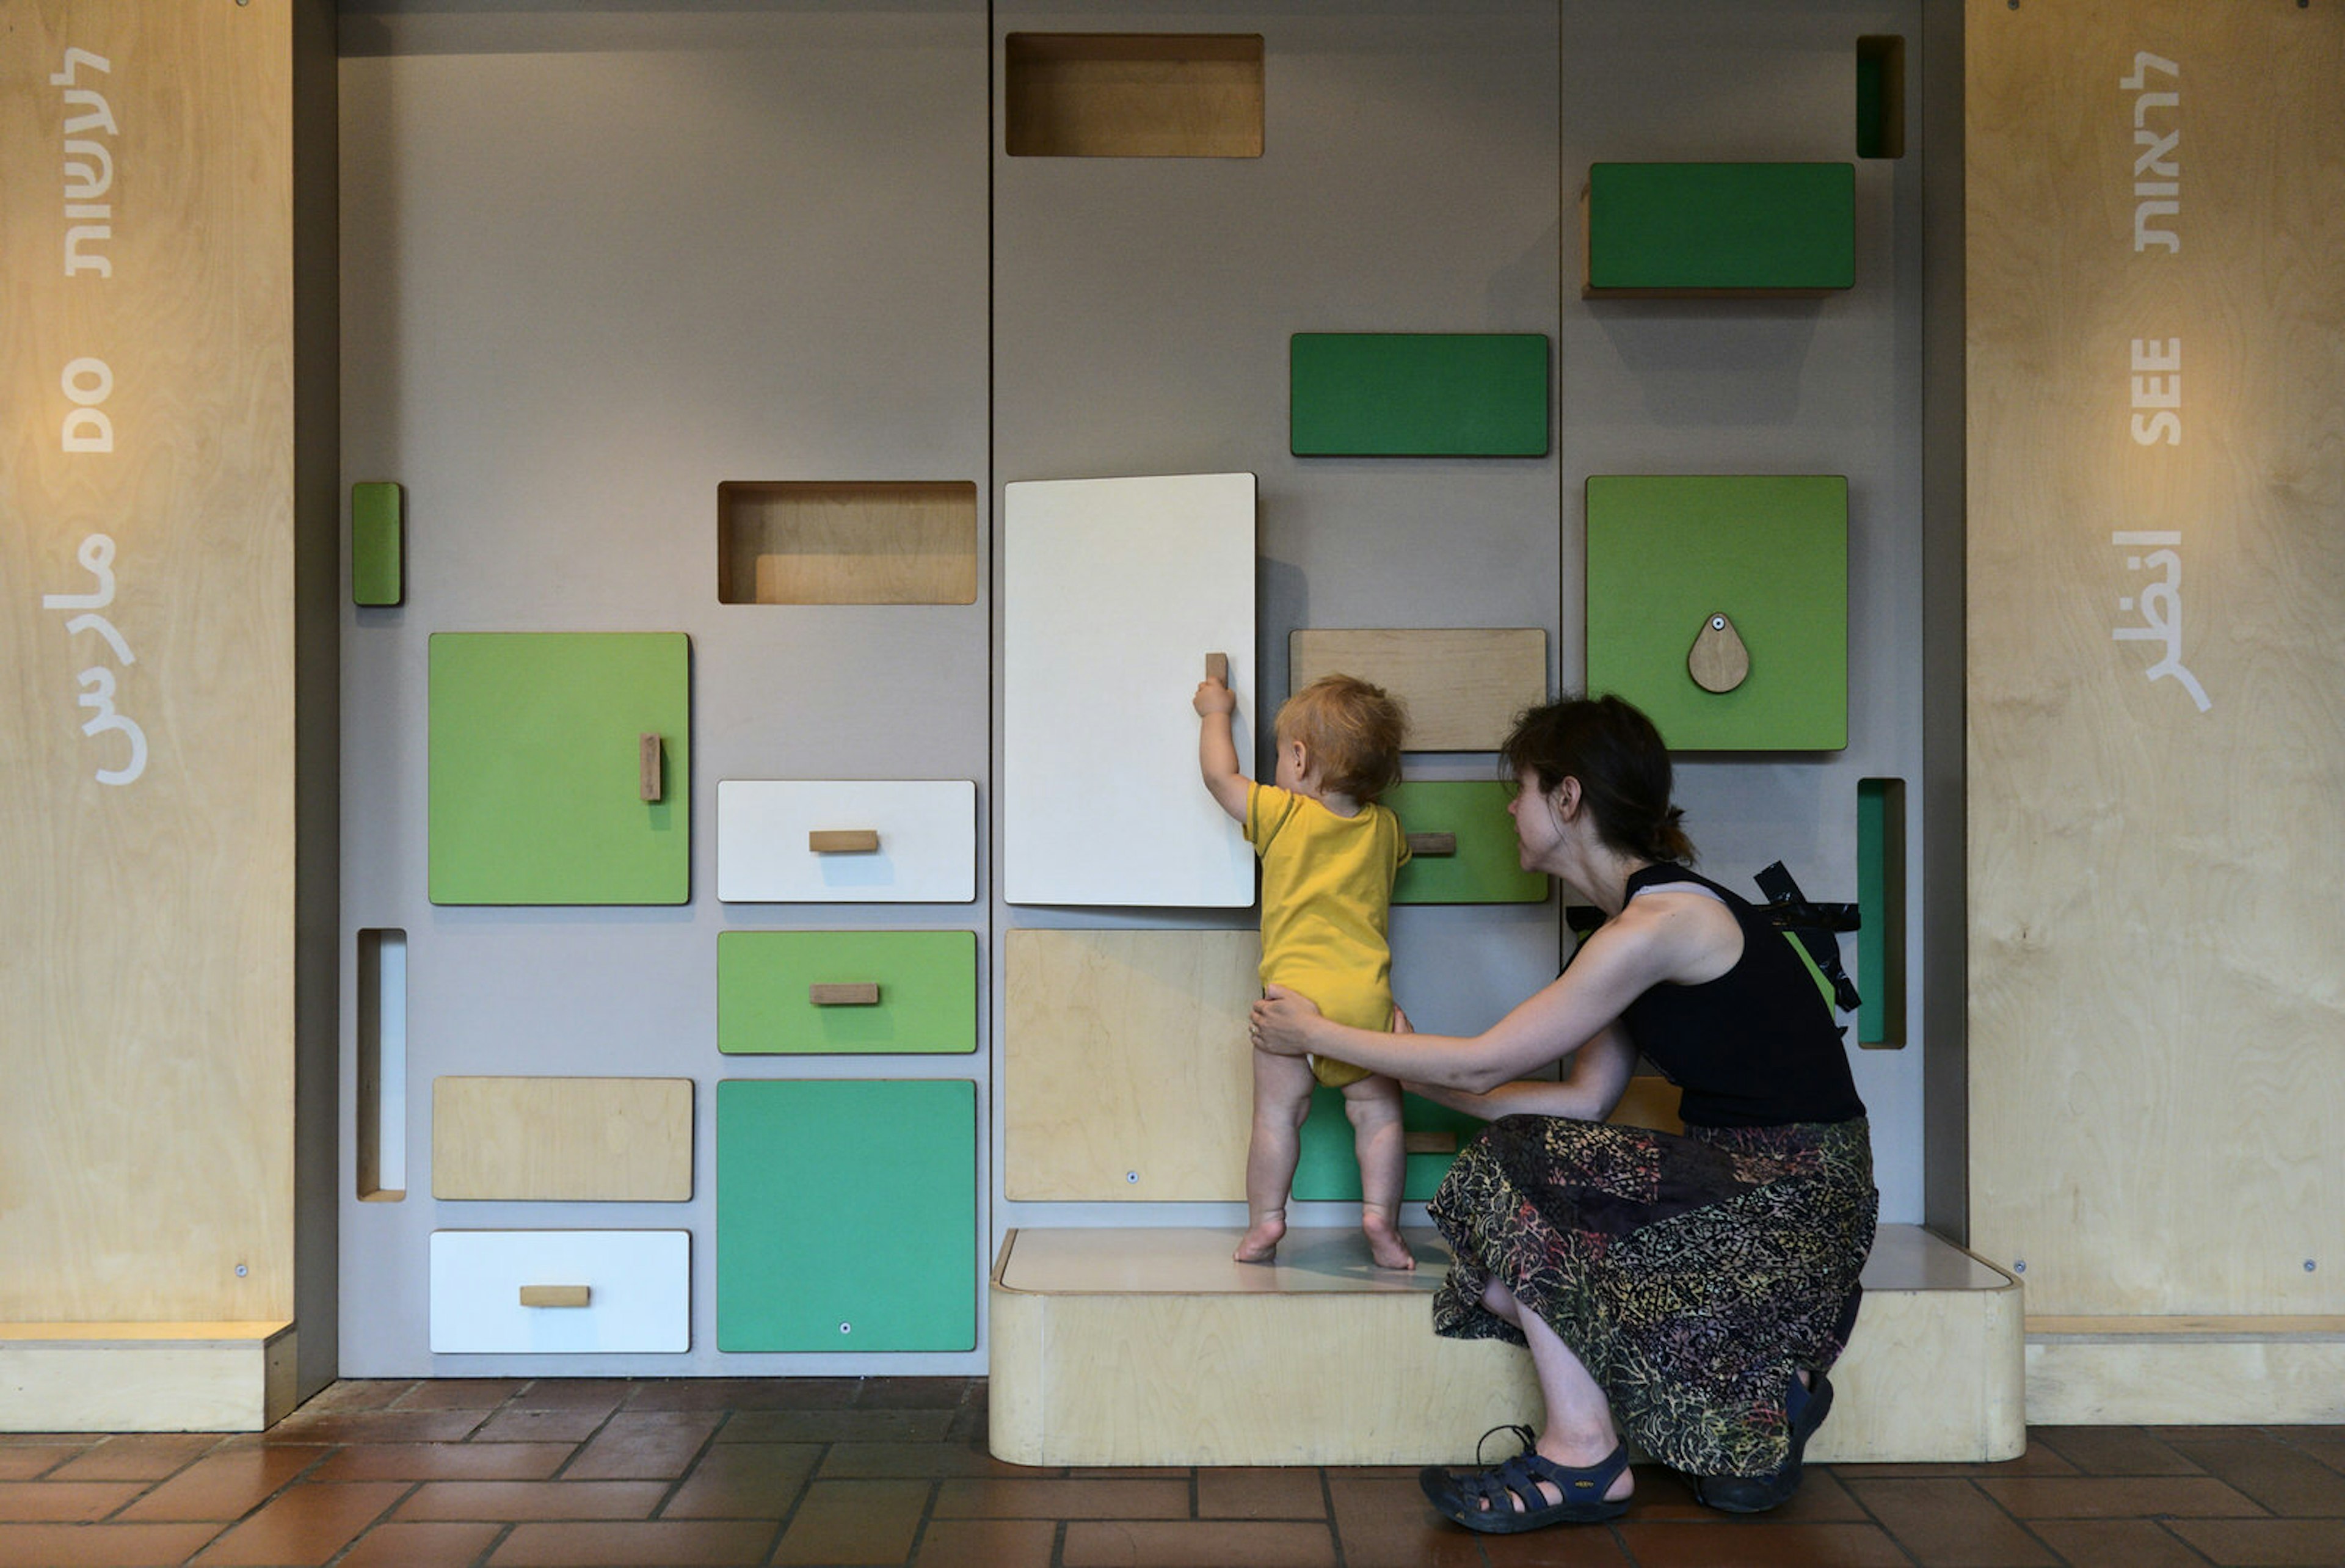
2186, 1377
145, 1377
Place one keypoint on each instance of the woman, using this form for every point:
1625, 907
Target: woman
1691, 1290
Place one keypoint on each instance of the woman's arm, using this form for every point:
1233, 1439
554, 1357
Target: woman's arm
1587, 1091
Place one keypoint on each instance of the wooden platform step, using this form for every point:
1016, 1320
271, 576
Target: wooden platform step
1144, 1347
145, 1377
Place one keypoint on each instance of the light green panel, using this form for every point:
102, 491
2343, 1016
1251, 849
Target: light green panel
1720, 227
1327, 1170
1665, 552
846, 1215
1487, 868
377, 538
535, 781
927, 980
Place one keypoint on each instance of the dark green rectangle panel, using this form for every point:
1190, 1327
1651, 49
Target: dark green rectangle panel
846, 1215
377, 538
1767, 552
1419, 394
535, 767
1487, 868
1881, 905
1327, 1170
927, 981
1720, 227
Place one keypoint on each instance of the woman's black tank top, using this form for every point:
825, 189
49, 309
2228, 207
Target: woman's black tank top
1754, 1047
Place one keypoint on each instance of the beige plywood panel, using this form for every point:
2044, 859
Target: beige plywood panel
149, 1377
557, 1139
2156, 201
1127, 1074
1463, 685
146, 664
2247, 1379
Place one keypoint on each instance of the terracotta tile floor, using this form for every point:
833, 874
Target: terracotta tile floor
561, 1472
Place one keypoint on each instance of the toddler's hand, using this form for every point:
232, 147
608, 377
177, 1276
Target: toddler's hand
1213, 697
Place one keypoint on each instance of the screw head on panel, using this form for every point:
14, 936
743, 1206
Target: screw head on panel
1133, 1176
2310, 1264
2019, 1267
240, 1270
846, 1328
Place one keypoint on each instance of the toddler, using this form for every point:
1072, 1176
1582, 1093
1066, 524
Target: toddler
1328, 856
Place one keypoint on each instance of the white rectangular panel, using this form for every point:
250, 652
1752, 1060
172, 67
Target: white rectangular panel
1114, 593
927, 832
638, 1285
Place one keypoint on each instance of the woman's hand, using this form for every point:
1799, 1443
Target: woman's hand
1282, 1021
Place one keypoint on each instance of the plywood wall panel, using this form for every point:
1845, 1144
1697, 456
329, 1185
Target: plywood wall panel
2157, 732
147, 985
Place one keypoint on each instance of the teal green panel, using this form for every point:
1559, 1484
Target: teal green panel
377, 534
535, 780
1487, 868
927, 980
1769, 552
1419, 394
1880, 908
1327, 1170
1721, 226
846, 1203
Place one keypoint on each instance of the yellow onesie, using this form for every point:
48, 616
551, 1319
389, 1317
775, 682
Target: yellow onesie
1327, 901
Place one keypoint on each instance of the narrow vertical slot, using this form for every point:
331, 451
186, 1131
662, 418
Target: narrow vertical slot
382, 1067
1881, 905
1881, 96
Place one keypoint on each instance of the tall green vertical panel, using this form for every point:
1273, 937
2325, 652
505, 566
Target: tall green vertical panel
1769, 552
1731, 227
1327, 1170
846, 1215
927, 980
1881, 905
378, 530
1418, 394
535, 767
1486, 867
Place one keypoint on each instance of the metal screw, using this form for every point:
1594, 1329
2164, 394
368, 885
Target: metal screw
846, 1328
2309, 1265
240, 1268
2021, 1266
1131, 1176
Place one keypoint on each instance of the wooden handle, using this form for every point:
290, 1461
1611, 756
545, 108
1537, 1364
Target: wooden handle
1217, 668
1425, 844
556, 1295
844, 840
1718, 661
651, 764
844, 995
1429, 1142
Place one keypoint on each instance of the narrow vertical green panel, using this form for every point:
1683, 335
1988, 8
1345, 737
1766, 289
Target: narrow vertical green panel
846, 1215
1486, 867
1419, 394
927, 980
378, 528
1735, 228
1881, 907
1769, 552
1328, 1171
536, 775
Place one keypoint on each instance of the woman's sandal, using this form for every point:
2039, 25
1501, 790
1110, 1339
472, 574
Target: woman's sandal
1806, 1406
1505, 1500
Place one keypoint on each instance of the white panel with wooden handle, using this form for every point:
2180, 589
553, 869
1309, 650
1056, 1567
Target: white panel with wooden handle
560, 1292
846, 841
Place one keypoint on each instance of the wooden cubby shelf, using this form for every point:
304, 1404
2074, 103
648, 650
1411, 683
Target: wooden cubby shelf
819, 541
1132, 95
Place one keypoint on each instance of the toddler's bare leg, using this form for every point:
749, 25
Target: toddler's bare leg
1281, 1098
1374, 1106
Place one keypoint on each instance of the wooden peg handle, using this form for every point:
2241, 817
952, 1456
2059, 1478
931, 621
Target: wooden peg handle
1217, 668
558, 1295
1425, 844
1718, 661
844, 840
651, 764
865, 994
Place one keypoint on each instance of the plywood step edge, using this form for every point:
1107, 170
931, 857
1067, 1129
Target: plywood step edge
228, 1333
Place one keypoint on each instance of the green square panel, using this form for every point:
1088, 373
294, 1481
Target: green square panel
378, 528
1486, 868
536, 767
1720, 227
1419, 394
846, 1215
1328, 1171
1769, 552
926, 983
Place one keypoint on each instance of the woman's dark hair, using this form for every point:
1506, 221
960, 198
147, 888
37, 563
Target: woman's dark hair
1623, 770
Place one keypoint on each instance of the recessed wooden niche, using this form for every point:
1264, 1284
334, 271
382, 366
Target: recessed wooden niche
1134, 95
819, 541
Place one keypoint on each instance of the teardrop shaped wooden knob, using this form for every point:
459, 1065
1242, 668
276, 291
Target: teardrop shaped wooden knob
1718, 662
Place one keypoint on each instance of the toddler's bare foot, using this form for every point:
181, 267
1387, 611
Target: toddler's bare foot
1384, 1244
1261, 1243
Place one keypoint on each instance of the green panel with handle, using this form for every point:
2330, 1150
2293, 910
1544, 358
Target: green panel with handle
536, 767
1668, 553
767, 981
1720, 227
846, 1215
1486, 868
1419, 394
377, 538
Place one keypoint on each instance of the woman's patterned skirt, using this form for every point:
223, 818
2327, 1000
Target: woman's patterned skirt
1691, 1275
